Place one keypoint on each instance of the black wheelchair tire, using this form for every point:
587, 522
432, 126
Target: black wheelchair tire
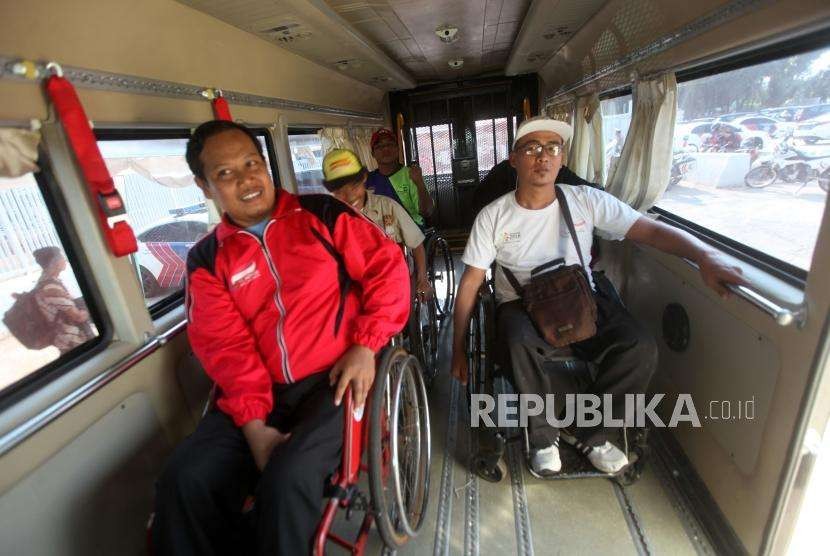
437, 247
425, 351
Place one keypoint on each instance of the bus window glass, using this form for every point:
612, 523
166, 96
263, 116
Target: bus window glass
751, 155
166, 208
616, 117
307, 159
45, 315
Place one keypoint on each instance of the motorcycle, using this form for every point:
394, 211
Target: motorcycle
682, 164
791, 165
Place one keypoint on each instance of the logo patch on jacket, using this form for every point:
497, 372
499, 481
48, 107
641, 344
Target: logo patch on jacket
245, 275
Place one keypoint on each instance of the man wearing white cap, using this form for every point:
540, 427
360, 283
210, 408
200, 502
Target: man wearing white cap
525, 229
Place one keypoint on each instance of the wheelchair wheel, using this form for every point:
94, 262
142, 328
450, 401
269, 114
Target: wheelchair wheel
399, 448
480, 359
441, 275
475, 350
423, 332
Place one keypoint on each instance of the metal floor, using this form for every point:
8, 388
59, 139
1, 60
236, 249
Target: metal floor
524, 515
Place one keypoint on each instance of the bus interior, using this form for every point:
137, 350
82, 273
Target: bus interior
710, 116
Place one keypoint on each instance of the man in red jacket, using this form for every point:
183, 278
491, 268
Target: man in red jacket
288, 300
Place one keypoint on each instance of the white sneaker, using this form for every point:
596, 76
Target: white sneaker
607, 458
545, 461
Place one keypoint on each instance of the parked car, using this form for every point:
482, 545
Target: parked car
162, 252
817, 129
727, 118
761, 140
759, 122
810, 112
783, 113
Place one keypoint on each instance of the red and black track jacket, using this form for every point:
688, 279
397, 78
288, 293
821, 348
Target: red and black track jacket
285, 307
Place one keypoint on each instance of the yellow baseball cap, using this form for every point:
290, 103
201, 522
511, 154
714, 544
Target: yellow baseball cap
340, 163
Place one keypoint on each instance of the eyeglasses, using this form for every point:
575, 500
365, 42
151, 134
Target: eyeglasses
536, 149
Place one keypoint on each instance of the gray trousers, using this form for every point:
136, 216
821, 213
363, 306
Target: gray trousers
623, 353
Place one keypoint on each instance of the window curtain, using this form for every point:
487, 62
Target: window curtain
18, 152
562, 111
335, 138
360, 137
642, 173
586, 157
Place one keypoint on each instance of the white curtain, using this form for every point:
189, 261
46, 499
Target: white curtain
642, 173
18, 152
335, 138
586, 156
360, 137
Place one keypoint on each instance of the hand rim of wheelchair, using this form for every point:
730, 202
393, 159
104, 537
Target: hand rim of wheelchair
385, 520
396, 476
426, 354
434, 242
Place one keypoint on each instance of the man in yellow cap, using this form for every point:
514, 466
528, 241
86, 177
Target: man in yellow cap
345, 177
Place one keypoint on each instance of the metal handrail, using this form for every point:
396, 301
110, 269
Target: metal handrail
782, 313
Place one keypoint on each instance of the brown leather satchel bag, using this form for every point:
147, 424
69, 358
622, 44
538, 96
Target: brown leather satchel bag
559, 298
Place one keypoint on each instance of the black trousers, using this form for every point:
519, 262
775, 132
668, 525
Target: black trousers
200, 493
623, 352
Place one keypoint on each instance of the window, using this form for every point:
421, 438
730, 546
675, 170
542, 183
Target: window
491, 144
434, 148
616, 118
746, 167
166, 208
48, 316
307, 158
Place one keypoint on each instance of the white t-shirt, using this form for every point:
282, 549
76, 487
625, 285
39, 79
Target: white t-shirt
522, 239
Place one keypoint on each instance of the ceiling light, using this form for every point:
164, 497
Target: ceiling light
456, 64
447, 33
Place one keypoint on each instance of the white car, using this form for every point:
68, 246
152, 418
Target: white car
817, 129
162, 252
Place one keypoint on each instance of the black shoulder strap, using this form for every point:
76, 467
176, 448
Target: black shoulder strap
566, 212
343, 278
513, 280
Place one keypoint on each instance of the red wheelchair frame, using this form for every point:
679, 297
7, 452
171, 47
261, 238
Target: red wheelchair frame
342, 487
344, 483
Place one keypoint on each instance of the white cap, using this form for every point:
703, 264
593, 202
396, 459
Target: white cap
543, 123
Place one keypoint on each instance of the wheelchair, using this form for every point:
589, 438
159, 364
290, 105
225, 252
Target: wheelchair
398, 442
422, 328
388, 442
441, 272
487, 374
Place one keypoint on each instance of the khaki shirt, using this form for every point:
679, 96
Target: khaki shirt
392, 219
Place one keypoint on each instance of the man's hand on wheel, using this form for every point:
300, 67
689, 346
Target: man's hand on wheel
356, 368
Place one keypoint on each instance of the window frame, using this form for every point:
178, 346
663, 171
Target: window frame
787, 272
82, 270
184, 131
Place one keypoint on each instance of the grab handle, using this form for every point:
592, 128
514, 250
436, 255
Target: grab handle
782, 313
